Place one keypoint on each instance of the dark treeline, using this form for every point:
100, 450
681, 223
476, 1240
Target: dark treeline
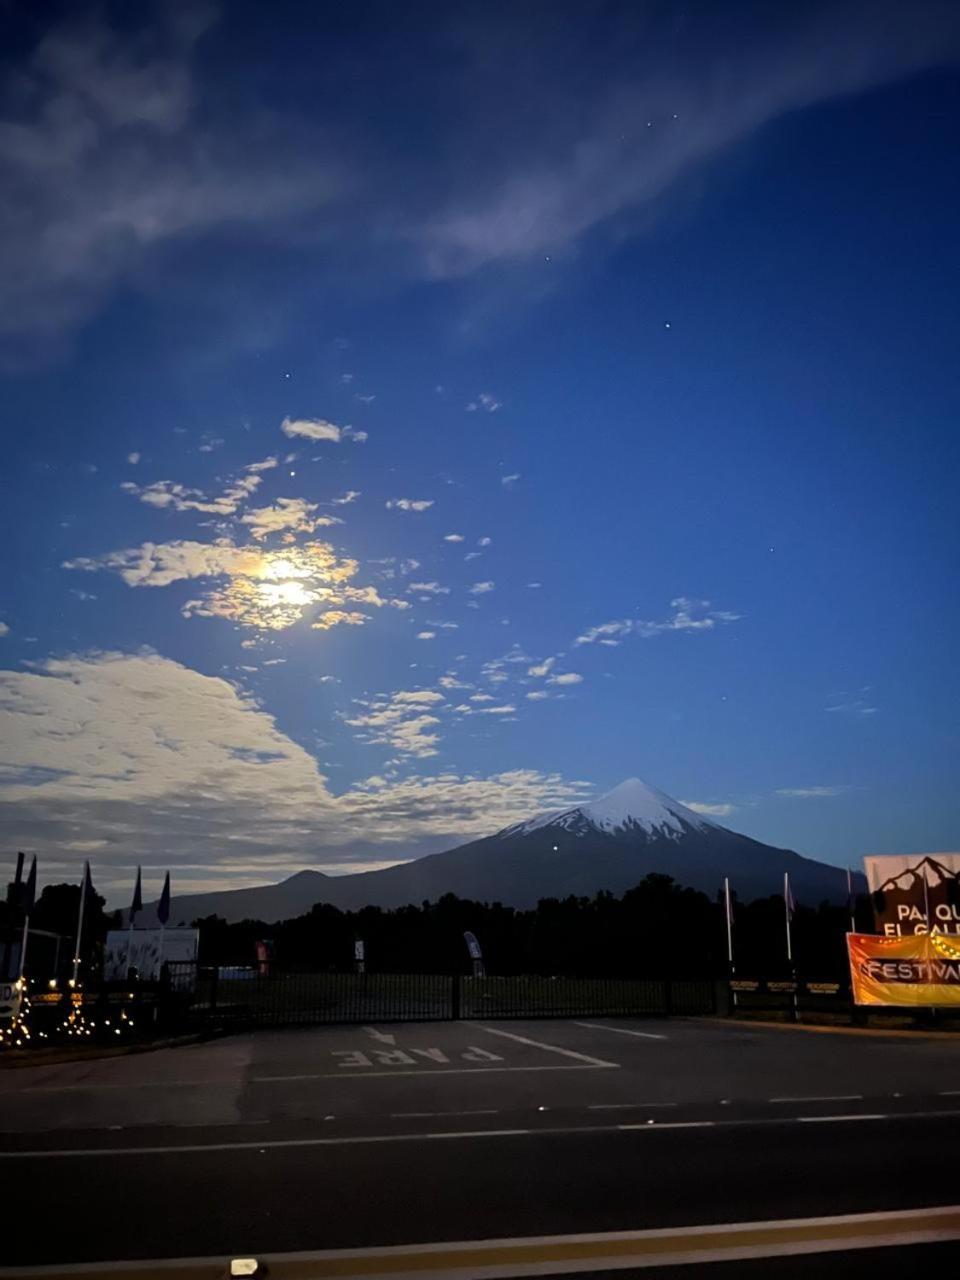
658, 928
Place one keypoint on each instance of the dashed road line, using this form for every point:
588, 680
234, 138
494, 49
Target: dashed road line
628, 1106
826, 1097
840, 1119
621, 1031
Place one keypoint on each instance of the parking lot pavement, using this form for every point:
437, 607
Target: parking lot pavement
437, 1075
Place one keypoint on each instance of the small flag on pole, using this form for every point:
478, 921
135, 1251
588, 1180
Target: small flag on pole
30, 889
788, 897
137, 903
163, 906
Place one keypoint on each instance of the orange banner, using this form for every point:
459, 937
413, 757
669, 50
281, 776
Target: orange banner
916, 970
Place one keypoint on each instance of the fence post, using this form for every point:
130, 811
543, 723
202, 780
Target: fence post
214, 980
455, 997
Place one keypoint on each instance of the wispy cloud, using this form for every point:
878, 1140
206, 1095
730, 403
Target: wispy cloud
311, 429
860, 703
811, 793
688, 615
485, 401
426, 635
565, 678
453, 537
541, 668
133, 458
350, 496
294, 515
428, 589
710, 810
171, 495
509, 481
409, 504
482, 588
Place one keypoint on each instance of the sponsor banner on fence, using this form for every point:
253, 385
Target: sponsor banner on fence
144, 951
913, 971
915, 894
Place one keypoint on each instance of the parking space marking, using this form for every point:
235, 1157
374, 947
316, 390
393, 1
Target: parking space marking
621, 1031
628, 1106
551, 1048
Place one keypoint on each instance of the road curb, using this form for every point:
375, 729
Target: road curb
53, 1057
823, 1029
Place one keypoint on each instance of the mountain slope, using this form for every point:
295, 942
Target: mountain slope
610, 843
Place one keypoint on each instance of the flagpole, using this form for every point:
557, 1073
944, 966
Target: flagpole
793, 971
730, 962
851, 904
31, 890
83, 899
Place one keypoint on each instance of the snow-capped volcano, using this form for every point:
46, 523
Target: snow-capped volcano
609, 843
633, 806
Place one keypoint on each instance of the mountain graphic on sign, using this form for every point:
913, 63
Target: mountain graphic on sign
911, 881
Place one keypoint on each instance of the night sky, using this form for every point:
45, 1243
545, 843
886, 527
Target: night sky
418, 416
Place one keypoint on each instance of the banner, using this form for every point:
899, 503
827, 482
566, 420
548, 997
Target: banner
145, 950
915, 894
913, 971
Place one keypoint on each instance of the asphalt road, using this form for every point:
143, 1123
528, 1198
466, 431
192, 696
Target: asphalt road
341, 1138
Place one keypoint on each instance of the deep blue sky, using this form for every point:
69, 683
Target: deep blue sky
715, 349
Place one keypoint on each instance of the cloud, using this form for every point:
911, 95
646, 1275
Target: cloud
293, 514
509, 481
113, 154
311, 429
265, 464
607, 150
160, 764
133, 458
169, 494
565, 677
860, 704
534, 585
687, 615
541, 668
810, 793
270, 590
358, 437
404, 721
484, 542
417, 697
485, 401
473, 555
453, 537
428, 589
538, 695
409, 504
710, 810
4, 629
426, 635
451, 681
481, 588
350, 496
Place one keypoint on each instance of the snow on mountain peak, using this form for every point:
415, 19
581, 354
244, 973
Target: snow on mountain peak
632, 804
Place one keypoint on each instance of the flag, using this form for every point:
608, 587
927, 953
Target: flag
137, 903
87, 883
788, 897
163, 906
30, 888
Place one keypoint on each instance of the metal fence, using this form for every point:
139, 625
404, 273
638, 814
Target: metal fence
248, 998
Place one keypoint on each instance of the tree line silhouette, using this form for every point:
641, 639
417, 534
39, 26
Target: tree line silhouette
658, 928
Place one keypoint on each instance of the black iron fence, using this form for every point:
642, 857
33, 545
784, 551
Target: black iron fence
247, 997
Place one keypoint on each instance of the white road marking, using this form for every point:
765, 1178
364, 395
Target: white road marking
550, 1048
628, 1106
825, 1097
944, 1093
622, 1031
837, 1119
373, 1139
383, 1036
651, 1125
429, 1115
450, 1071
554, 1255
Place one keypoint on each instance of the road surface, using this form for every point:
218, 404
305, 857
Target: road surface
443, 1133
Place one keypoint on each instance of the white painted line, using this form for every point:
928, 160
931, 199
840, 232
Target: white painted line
452, 1071
551, 1048
383, 1036
595, 1251
428, 1115
628, 1106
373, 1139
944, 1093
837, 1119
622, 1031
652, 1126
825, 1097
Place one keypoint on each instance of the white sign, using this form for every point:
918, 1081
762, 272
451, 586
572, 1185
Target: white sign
146, 951
915, 894
11, 997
